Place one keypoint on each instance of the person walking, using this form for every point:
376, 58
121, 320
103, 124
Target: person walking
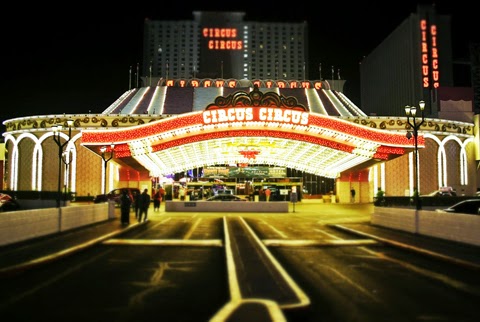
125, 205
157, 199
136, 204
268, 192
352, 193
182, 193
261, 194
162, 194
143, 205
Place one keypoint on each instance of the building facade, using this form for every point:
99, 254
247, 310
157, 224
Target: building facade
223, 45
156, 131
410, 65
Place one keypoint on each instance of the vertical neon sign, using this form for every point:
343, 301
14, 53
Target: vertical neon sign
429, 55
434, 56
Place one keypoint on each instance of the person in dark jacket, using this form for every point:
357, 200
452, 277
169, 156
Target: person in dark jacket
125, 205
143, 206
136, 204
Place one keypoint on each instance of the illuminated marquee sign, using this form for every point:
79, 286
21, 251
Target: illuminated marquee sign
252, 114
429, 52
215, 171
256, 106
222, 38
275, 172
232, 83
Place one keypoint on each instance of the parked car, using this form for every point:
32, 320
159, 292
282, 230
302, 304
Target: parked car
115, 195
469, 206
8, 203
226, 197
440, 193
224, 192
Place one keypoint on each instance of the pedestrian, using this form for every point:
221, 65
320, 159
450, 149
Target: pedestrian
136, 204
157, 199
352, 193
268, 192
125, 205
208, 193
162, 193
182, 193
143, 205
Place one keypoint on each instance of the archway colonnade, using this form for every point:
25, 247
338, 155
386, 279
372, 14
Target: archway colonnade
447, 157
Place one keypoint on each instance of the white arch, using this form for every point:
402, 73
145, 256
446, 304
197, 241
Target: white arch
35, 162
72, 164
13, 161
462, 168
442, 158
464, 162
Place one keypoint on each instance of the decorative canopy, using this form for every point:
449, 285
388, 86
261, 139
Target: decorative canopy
252, 128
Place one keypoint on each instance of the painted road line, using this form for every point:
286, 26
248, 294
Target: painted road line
258, 310
165, 242
253, 270
18, 268
322, 243
423, 251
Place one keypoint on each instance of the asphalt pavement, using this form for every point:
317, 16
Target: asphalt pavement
28, 254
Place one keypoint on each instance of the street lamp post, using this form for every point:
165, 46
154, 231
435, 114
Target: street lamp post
56, 137
415, 122
103, 150
67, 159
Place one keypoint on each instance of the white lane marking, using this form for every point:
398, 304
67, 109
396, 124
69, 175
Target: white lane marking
278, 232
326, 233
309, 242
165, 242
192, 229
352, 283
427, 273
235, 293
304, 300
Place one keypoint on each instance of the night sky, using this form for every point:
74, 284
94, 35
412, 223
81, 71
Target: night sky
76, 60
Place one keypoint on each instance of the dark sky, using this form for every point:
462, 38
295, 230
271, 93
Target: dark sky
76, 60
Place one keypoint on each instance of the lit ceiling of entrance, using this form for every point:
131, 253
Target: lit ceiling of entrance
245, 151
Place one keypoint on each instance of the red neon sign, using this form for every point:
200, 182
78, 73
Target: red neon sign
429, 55
257, 114
222, 38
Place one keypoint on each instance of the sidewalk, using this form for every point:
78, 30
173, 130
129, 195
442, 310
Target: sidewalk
27, 254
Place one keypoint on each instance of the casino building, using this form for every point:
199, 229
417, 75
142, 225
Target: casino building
163, 130
224, 45
247, 126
